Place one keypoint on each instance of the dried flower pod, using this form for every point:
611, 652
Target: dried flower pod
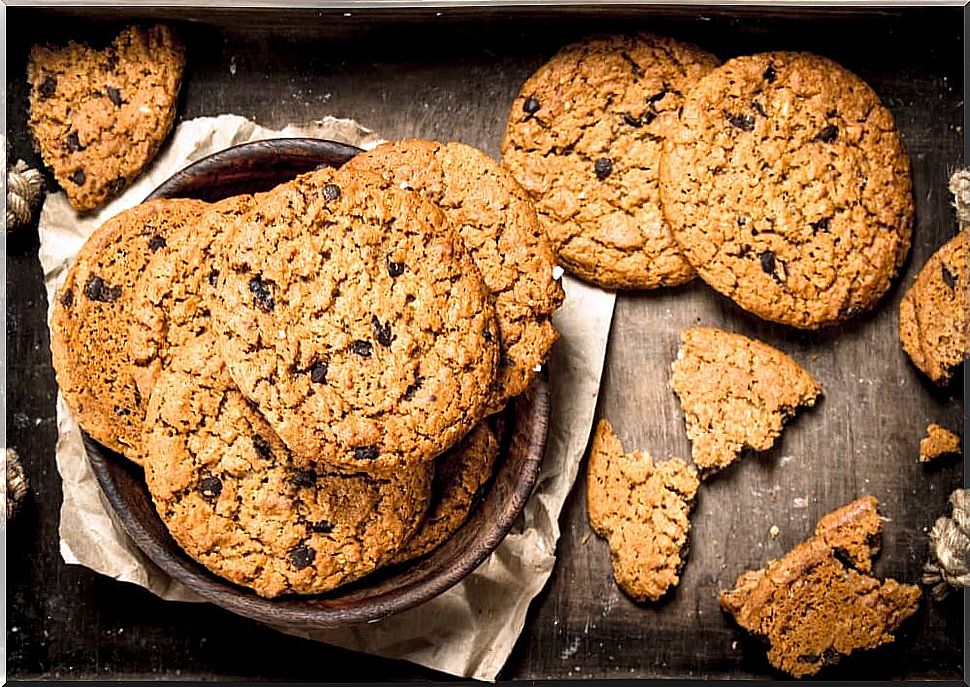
949, 545
16, 489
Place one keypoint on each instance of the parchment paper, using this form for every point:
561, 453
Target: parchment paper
470, 629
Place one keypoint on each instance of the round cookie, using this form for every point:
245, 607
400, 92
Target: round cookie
89, 321
169, 308
501, 232
459, 476
787, 186
99, 116
239, 503
933, 314
355, 320
584, 138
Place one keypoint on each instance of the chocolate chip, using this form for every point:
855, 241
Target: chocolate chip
742, 121
767, 259
770, 74
382, 332
331, 192
843, 557
318, 372
47, 87
821, 225
112, 62
321, 527
261, 295
366, 452
262, 447
413, 388
114, 95
213, 277
630, 120
487, 334
210, 487
302, 556
395, 269
948, 276
78, 177
157, 242
829, 133
603, 167
362, 348
759, 108
116, 184
657, 97
302, 477
137, 396
634, 65
531, 105
67, 298
97, 290
73, 144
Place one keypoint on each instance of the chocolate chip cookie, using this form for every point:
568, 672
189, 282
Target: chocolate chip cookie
821, 601
643, 509
89, 321
99, 116
170, 306
459, 476
584, 138
239, 503
355, 320
736, 393
787, 186
501, 232
933, 317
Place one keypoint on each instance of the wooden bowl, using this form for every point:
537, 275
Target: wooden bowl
259, 166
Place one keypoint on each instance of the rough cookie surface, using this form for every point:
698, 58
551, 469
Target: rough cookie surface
99, 116
89, 321
933, 315
501, 232
820, 601
353, 317
939, 441
239, 503
788, 188
643, 510
169, 308
459, 476
584, 138
736, 393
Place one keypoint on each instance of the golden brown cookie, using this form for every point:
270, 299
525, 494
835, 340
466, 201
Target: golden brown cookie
169, 307
459, 476
820, 601
89, 322
788, 188
933, 315
239, 503
355, 320
736, 393
501, 232
99, 116
584, 138
939, 441
643, 509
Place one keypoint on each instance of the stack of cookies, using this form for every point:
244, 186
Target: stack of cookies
311, 376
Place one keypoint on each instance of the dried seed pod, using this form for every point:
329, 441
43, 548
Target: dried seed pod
16, 490
949, 545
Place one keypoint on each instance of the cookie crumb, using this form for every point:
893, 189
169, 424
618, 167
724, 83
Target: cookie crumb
774, 531
939, 441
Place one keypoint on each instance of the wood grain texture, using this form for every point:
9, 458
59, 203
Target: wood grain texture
453, 77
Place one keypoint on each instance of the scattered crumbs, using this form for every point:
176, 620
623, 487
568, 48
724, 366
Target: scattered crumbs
799, 502
774, 531
784, 460
571, 650
348, 14
734, 645
577, 669
232, 65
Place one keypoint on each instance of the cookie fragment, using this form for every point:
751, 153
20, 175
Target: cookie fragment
736, 393
643, 510
820, 601
939, 441
584, 138
99, 116
933, 315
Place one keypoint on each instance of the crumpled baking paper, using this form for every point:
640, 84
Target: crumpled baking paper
470, 629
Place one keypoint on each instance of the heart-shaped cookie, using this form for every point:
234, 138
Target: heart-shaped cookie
99, 116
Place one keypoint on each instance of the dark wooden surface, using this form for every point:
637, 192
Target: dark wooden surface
453, 77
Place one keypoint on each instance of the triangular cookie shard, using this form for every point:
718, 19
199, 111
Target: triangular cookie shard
736, 393
642, 509
820, 601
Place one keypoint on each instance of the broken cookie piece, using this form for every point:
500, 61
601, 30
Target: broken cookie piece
939, 441
820, 601
642, 509
736, 393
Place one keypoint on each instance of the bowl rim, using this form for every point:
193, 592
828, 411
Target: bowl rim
529, 412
